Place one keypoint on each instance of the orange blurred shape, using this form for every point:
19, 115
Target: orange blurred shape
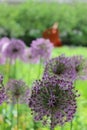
53, 35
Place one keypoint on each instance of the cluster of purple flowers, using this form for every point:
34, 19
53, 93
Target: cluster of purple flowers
54, 96
15, 91
68, 68
12, 49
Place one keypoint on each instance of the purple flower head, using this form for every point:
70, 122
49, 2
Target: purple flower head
17, 91
60, 68
14, 49
4, 42
2, 90
28, 56
42, 47
50, 101
80, 64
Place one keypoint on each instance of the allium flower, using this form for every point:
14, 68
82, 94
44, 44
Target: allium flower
17, 91
42, 47
80, 64
14, 49
4, 42
48, 100
2, 91
28, 56
60, 67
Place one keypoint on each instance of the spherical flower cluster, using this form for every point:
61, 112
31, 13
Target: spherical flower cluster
60, 67
14, 49
80, 65
17, 91
28, 56
50, 101
42, 48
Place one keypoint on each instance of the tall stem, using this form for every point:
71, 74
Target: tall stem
14, 69
62, 128
9, 68
39, 71
29, 73
71, 124
3, 125
51, 127
11, 109
17, 115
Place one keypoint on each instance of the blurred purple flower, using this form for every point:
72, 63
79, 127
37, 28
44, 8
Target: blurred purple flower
80, 64
17, 91
48, 100
42, 47
60, 67
14, 49
2, 90
3, 43
28, 56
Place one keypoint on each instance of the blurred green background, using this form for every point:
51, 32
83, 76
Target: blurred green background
28, 20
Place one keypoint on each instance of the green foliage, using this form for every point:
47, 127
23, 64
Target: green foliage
28, 21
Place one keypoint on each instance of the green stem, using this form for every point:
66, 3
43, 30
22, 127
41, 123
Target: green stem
39, 70
14, 70
51, 127
11, 109
62, 128
29, 73
35, 127
3, 126
71, 124
9, 68
17, 115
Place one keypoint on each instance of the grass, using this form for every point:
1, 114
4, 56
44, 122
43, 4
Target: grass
29, 73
